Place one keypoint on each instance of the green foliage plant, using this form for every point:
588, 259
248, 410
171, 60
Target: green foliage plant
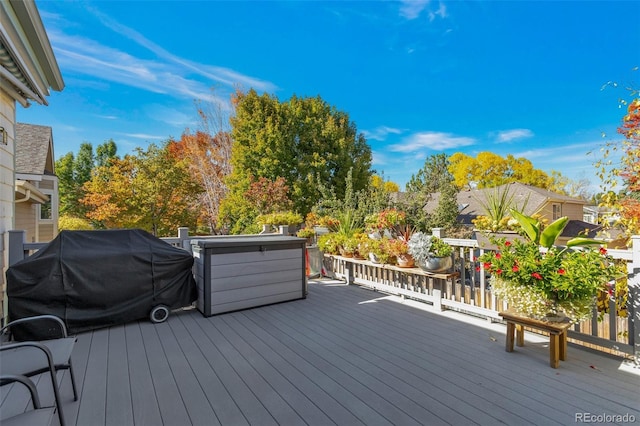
422, 246
279, 218
306, 233
329, 243
554, 279
68, 223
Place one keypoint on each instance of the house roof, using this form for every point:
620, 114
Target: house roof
526, 198
28, 67
34, 149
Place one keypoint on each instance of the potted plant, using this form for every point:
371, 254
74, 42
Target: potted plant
399, 249
430, 252
361, 251
329, 243
541, 280
375, 249
308, 233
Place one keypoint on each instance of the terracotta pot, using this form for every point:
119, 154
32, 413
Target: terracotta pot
406, 261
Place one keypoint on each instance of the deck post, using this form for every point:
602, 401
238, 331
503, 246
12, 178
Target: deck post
17, 239
634, 297
437, 299
183, 236
349, 273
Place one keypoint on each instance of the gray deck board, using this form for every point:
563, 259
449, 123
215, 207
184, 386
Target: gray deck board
343, 356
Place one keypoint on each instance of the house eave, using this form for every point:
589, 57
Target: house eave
27, 192
29, 68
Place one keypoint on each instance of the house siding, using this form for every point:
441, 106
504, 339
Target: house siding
26, 220
7, 178
571, 210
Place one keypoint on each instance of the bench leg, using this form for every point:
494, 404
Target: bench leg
519, 335
563, 346
511, 328
554, 350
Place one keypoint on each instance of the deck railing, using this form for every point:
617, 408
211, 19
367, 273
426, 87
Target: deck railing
468, 291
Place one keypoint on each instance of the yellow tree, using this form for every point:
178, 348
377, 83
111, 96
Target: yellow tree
148, 189
488, 170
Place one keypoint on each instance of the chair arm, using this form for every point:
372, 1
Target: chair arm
5, 379
58, 321
49, 364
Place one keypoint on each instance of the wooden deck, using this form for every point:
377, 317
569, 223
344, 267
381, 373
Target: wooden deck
344, 356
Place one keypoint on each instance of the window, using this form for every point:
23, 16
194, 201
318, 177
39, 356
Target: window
557, 211
45, 211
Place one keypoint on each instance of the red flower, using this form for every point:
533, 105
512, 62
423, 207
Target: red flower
561, 271
603, 251
475, 258
487, 265
537, 276
477, 268
515, 268
507, 243
499, 271
498, 256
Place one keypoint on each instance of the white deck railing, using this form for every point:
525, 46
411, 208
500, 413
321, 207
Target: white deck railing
469, 292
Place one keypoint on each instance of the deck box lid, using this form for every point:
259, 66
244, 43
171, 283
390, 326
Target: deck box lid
247, 241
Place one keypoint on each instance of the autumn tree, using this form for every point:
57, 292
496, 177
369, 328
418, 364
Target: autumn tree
148, 189
269, 196
627, 200
74, 171
207, 153
303, 140
488, 170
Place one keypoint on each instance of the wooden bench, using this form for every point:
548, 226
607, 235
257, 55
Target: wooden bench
557, 334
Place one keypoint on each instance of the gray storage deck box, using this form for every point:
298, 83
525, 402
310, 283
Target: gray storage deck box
239, 272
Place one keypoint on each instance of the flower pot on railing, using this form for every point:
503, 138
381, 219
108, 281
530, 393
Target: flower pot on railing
436, 264
405, 261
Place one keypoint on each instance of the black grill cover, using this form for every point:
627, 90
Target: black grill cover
94, 279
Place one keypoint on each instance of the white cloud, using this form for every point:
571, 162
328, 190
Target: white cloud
509, 135
564, 154
378, 159
144, 136
441, 12
165, 74
411, 9
436, 141
380, 133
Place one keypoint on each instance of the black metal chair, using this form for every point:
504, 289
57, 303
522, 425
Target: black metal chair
31, 355
58, 343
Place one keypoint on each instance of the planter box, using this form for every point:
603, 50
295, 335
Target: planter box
240, 272
483, 238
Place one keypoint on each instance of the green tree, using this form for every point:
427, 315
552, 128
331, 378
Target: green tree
303, 140
74, 171
434, 177
446, 213
149, 189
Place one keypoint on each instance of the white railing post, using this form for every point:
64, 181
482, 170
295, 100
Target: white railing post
634, 296
437, 232
183, 237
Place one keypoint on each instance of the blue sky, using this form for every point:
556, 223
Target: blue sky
417, 77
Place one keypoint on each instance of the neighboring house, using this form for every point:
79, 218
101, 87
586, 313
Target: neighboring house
598, 215
28, 70
36, 183
528, 199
